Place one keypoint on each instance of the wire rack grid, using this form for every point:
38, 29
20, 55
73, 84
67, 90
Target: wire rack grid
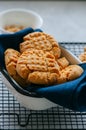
15, 117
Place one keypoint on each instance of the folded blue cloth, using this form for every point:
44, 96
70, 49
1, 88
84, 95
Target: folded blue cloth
71, 94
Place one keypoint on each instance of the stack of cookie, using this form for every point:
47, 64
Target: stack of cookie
39, 61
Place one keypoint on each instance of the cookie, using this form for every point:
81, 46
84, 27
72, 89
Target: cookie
82, 56
45, 78
11, 57
71, 72
85, 49
62, 62
38, 66
13, 28
41, 41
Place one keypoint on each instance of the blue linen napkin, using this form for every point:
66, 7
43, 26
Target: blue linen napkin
71, 94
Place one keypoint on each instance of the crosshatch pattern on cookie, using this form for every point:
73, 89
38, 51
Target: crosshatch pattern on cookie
11, 58
41, 41
36, 60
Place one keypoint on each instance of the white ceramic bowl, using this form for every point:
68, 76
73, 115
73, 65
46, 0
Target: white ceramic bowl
36, 103
19, 17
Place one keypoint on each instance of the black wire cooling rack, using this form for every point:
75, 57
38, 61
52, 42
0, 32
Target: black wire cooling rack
15, 117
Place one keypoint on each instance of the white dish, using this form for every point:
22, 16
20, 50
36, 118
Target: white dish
19, 17
35, 103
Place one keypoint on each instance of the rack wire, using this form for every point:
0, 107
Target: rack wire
15, 117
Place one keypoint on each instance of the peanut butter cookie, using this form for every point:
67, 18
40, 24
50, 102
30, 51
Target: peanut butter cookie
82, 56
41, 41
71, 72
38, 66
11, 57
62, 62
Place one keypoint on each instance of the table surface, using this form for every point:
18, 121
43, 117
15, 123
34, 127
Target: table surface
66, 21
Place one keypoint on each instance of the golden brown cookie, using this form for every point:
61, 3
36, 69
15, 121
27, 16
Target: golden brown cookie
41, 41
71, 72
11, 57
82, 56
13, 28
38, 66
85, 49
62, 62
37, 77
